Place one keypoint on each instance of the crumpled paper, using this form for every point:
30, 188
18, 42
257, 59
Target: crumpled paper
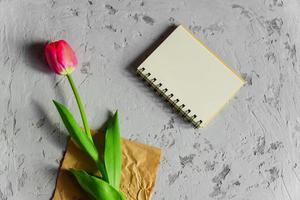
140, 165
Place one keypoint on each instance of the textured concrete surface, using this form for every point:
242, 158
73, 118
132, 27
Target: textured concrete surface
249, 152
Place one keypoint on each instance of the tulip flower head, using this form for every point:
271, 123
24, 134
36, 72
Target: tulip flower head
60, 57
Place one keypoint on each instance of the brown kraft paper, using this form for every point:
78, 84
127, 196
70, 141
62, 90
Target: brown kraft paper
140, 165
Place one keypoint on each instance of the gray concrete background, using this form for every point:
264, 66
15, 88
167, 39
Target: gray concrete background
249, 152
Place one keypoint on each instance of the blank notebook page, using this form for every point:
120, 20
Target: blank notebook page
193, 74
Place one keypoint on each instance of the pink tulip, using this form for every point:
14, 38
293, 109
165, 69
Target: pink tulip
60, 57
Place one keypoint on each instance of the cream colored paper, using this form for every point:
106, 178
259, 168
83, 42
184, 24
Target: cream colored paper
193, 74
139, 170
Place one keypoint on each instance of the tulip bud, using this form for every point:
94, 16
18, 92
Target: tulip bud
60, 57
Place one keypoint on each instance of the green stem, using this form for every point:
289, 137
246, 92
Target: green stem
80, 106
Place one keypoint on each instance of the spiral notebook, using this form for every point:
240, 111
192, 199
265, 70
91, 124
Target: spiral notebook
190, 76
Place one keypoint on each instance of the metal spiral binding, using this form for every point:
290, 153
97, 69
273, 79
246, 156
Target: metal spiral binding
186, 113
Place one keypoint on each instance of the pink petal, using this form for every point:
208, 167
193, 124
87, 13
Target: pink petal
65, 54
51, 57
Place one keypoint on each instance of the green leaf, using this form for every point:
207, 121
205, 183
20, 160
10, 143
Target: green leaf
80, 137
122, 195
97, 188
113, 152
